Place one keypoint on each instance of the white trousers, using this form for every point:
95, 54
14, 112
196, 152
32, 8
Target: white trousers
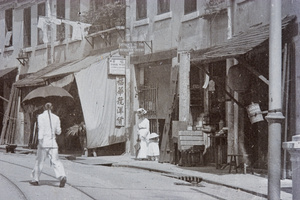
56, 164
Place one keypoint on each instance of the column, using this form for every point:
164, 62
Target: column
184, 87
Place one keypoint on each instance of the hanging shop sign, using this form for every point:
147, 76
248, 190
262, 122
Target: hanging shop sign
131, 48
120, 101
116, 66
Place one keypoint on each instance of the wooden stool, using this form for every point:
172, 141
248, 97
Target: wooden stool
233, 161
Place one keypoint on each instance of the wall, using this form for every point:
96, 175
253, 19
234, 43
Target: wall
66, 50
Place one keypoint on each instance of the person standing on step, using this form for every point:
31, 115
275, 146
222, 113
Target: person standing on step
48, 128
143, 133
153, 147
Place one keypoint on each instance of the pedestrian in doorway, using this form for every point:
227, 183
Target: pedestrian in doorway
48, 128
153, 148
143, 133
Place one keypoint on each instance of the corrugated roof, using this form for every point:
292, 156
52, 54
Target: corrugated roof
237, 45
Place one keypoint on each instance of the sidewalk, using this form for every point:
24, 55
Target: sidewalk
251, 183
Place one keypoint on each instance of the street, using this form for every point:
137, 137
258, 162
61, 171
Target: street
101, 182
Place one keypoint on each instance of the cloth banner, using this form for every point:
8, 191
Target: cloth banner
97, 93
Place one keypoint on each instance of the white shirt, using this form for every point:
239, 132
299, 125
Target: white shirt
44, 129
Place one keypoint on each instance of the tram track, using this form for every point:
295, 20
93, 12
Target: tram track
22, 194
12, 187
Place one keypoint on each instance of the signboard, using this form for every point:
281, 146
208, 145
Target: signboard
120, 101
133, 48
116, 66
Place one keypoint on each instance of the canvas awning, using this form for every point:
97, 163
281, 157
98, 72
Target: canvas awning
62, 69
4, 72
36, 79
96, 91
237, 45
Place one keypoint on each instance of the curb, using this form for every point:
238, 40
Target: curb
182, 177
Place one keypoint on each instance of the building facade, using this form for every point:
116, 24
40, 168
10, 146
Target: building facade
221, 51
56, 43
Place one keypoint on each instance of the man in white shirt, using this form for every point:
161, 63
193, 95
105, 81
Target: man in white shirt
48, 128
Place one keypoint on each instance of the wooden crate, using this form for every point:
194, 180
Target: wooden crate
188, 139
191, 147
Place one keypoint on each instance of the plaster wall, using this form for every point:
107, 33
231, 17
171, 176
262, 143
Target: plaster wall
66, 50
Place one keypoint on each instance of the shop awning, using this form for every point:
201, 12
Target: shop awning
36, 79
75, 66
237, 45
4, 72
96, 91
62, 69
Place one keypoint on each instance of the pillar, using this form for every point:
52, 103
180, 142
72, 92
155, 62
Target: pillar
184, 87
294, 149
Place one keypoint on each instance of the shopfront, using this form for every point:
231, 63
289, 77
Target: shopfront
98, 102
234, 76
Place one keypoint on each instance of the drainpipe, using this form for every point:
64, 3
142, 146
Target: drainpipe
274, 116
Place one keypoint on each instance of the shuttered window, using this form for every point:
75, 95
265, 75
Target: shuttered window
163, 6
27, 27
8, 27
141, 9
41, 12
61, 14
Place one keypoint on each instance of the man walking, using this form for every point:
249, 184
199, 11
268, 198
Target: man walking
48, 127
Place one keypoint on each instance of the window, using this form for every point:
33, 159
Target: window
74, 16
141, 9
27, 27
190, 6
8, 27
41, 12
163, 6
60, 11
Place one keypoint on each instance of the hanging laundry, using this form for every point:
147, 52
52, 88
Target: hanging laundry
43, 25
78, 29
206, 82
8, 38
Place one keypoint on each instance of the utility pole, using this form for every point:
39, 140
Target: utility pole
274, 116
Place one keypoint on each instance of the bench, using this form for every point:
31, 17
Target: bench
191, 147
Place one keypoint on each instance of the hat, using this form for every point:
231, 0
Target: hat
48, 106
141, 111
153, 135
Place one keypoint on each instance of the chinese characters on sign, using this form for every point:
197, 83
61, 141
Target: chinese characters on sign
117, 66
120, 101
134, 48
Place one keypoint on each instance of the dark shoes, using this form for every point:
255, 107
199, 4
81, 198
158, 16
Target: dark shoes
35, 183
63, 182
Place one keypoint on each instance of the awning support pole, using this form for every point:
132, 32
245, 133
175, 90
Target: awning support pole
4, 99
256, 73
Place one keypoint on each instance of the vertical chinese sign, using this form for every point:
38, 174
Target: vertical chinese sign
117, 68
120, 101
